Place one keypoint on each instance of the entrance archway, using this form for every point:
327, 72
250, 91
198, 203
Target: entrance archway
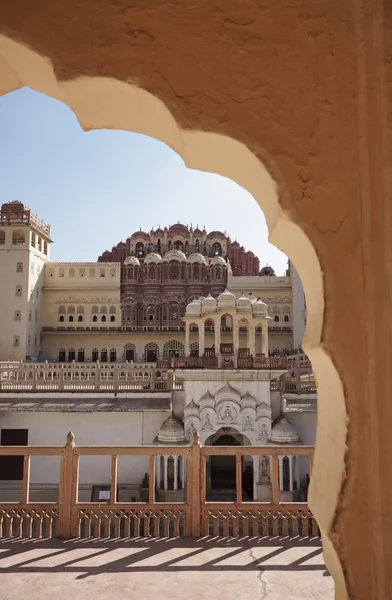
104, 102
221, 470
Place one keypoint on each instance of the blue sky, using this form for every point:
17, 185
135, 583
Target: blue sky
97, 188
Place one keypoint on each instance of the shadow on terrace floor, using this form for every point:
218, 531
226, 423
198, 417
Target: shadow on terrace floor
91, 557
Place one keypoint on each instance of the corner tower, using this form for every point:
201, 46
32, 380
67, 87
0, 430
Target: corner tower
24, 249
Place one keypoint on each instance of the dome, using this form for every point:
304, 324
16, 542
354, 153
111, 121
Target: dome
244, 304
284, 433
209, 304
193, 308
171, 431
174, 255
218, 260
132, 260
226, 299
153, 257
260, 307
197, 257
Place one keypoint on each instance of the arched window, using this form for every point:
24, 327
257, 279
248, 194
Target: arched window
209, 326
2, 237
80, 313
94, 314
39, 244
286, 318
194, 349
82, 272
71, 354
92, 272
81, 355
62, 355
112, 318
19, 267
102, 272
18, 237
217, 249
112, 272
45, 248
95, 355
174, 312
197, 245
130, 352
159, 245
71, 273
71, 314
151, 352
61, 314
173, 349
112, 310
139, 249
113, 355
276, 318
104, 355
195, 271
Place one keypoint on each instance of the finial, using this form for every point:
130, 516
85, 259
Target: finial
71, 438
196, 438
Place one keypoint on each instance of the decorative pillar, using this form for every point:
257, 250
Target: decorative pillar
280, 460
183, 469
201, 338
175, 459
217, 336
187, 352
252, 339
291, 472
236, 336
165, 459
264, 339
158, 471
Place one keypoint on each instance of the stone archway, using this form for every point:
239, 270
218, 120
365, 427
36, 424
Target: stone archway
221, 470
302, 167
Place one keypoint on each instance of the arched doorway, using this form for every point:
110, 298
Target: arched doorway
221, 470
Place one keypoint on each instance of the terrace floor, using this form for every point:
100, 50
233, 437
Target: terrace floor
164, 569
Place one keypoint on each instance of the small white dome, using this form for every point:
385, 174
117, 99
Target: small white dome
284, 433
226, 299
197, 257
132, 260
171, 431
193, 309
200, 299
244, 304
153, 257
209, 304
174, 255
260, 307
218, 260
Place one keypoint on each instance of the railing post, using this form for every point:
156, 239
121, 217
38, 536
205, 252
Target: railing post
275, 480
195, 487
66, 486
